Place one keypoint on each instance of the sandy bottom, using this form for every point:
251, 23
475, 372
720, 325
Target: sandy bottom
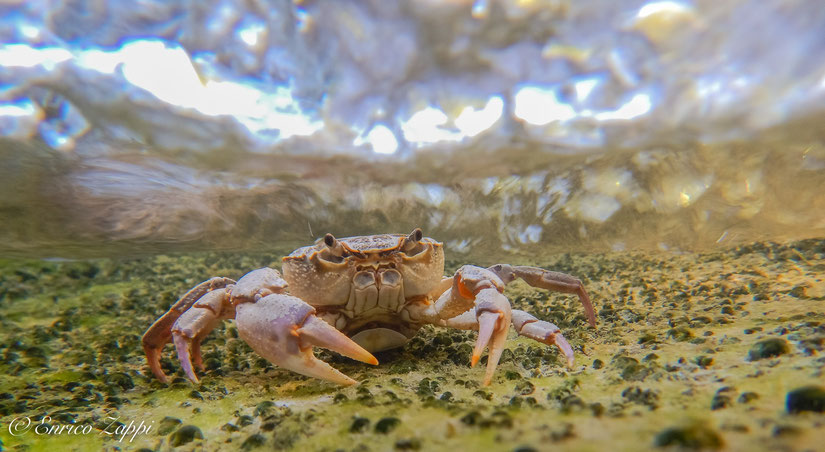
692, 351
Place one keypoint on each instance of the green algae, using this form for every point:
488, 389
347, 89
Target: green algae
671, 345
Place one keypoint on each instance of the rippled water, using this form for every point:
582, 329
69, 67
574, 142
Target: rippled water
131, 127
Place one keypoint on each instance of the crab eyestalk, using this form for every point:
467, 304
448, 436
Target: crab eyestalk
412, 241
335, 247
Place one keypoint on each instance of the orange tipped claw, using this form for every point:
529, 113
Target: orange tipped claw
493, 317
318, 332
487, 322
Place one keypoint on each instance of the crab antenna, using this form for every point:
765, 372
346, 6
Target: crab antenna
333, 244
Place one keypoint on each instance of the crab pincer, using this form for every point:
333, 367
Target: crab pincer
493, 315
283, 329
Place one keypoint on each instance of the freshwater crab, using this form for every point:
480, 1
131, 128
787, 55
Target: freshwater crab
355, 296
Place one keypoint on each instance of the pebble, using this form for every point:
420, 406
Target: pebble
806, 398
185, 435
692, 437
768, 348
387, 424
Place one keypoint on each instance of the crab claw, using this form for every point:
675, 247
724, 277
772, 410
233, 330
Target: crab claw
317, 332
283, 329
493, 317
183, 346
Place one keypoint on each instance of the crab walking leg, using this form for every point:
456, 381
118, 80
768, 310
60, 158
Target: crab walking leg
160, 333
190, 329
545, 332
545, 279
283, 329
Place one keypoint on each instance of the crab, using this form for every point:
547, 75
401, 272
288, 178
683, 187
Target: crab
356, 296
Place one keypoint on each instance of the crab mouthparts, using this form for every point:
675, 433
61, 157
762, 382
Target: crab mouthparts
375, 266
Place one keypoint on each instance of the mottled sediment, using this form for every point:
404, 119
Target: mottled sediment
692, 351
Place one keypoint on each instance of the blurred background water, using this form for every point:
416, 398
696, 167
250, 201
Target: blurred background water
131, 127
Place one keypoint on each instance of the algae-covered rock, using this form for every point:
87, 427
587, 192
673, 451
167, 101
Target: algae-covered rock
807, 398
167, 425
387, 424
359, 425
768, 348
253, 442
722, 398
184, 435
408, 444
695, 436
748, 397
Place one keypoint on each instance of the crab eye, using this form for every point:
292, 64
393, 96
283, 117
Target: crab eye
334, 251
412, 243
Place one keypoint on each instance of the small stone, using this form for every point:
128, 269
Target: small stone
768, 348
806, 398
785, 430
644, 397
167, 425
799, 291
680, 334
720, 401
572, 403
408, 444
185, 435
471, 418
598, 364
747, 397
703, 361
122, 380
483, 395
245, 420
359, 425
229, 427
253, 441
263, 408
647, 338
695, 437
650, 357
525, 449
525, 388
387, 424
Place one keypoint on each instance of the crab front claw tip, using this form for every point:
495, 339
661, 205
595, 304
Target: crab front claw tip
183, 346
492, 331
487, 322
493, 317
320, 333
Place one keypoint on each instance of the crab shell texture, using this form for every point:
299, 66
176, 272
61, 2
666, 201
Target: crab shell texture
323, 274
